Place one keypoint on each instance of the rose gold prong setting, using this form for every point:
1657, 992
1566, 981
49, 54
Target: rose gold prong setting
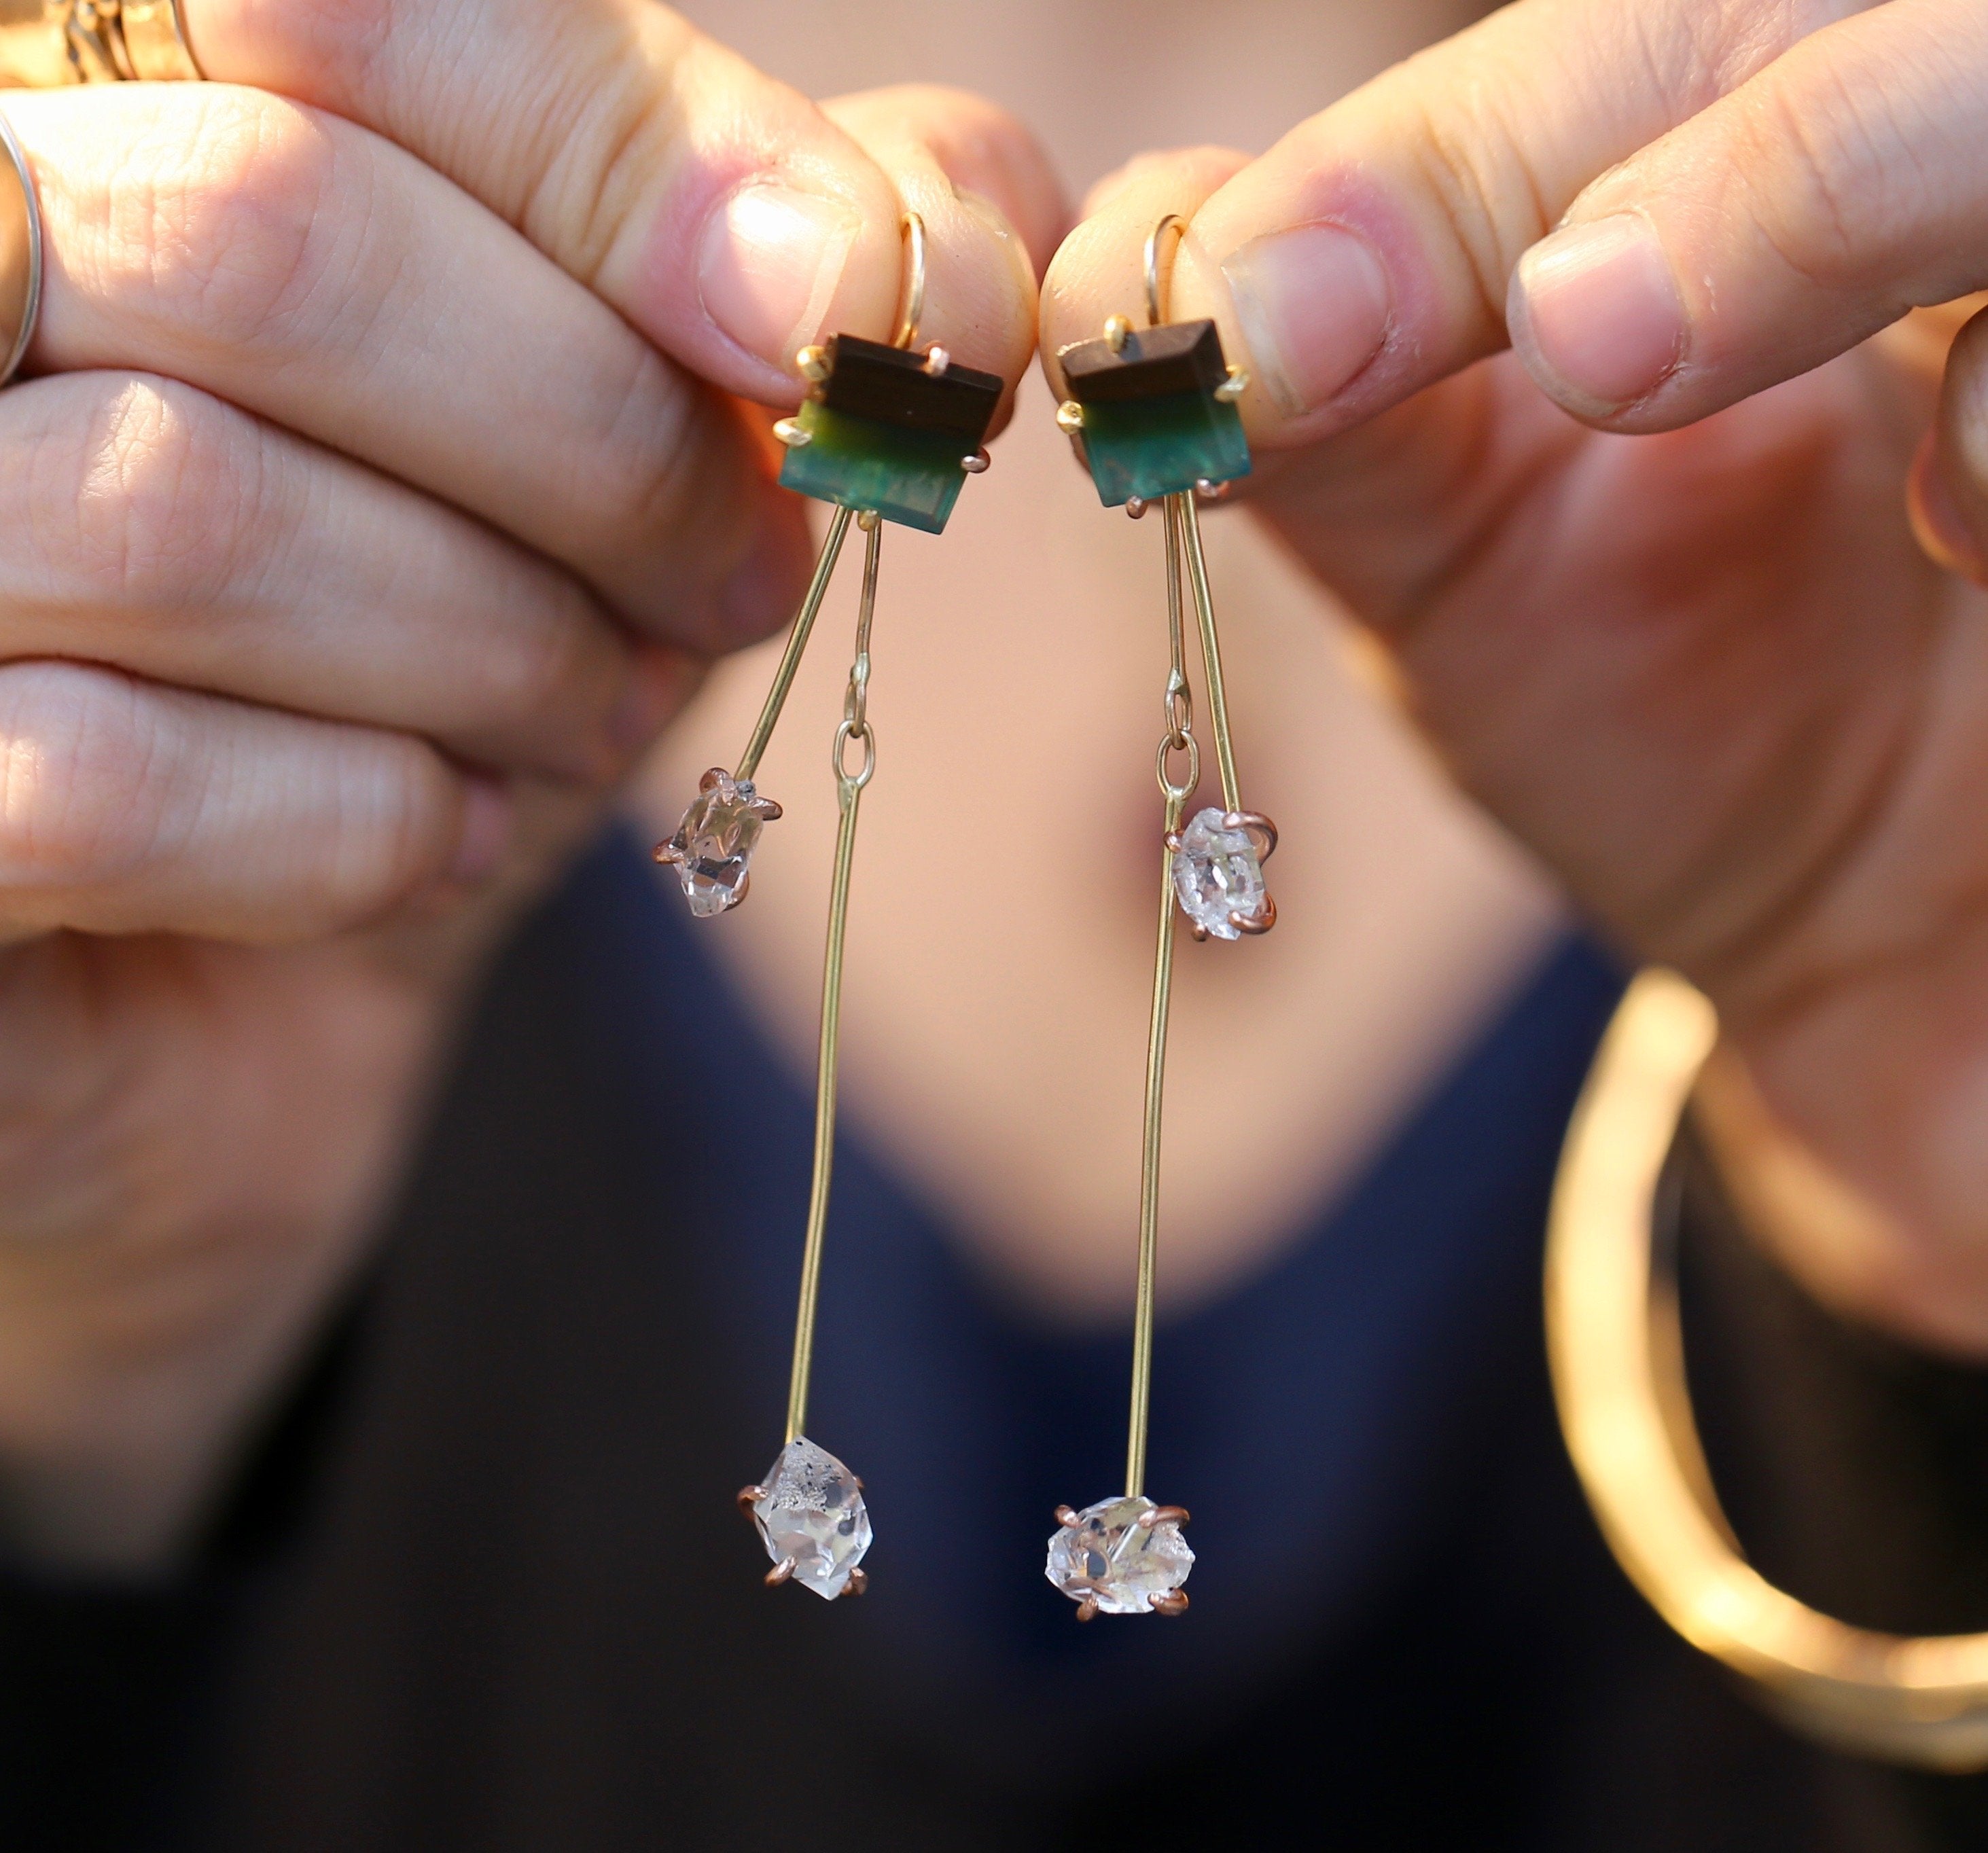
1117, 332
1258, 922
790, 432
1197, 931
1086, 1610
668, 854
1234, 387
780, 1572
977, 464
1258, 826
711, 780
867, 520
811, 363
859, 1582
1167, 1515
1172, 840
1136, 507
1064, 1516
1209, 491
767, 811
937, 361
748, 1497
1173, 1602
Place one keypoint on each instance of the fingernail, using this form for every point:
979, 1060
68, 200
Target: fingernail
767, 267
486, 831
1314, 302
1594, 313
1941, 528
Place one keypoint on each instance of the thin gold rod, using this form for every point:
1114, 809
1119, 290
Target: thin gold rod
1176, 641
855, 728
790, 659
1210, 650
1149, 1172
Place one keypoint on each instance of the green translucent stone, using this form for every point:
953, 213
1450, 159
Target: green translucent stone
1156, 446
907, 476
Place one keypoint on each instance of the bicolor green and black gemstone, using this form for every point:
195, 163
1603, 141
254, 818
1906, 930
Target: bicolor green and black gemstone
886, 431
1153, 424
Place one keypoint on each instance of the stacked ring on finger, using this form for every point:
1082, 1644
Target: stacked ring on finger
45, 44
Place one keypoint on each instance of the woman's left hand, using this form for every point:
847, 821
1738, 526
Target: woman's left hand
1650, 580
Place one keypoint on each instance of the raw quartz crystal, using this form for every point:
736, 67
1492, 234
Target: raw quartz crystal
810, 1512
1113, 1555
712, 849
1219, 876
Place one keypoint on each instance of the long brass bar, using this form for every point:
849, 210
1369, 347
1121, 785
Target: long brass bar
849, 794
1149, 1172
797, 638
1210, 651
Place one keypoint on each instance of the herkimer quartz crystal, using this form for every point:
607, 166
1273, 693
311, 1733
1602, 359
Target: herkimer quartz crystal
712, 849
810, 1515
1219, 876
1123, 1556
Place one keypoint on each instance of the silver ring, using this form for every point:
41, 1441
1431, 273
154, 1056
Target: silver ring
20, 253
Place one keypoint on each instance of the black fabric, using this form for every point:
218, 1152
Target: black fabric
486, 1588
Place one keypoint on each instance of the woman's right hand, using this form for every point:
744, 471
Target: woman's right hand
372, 500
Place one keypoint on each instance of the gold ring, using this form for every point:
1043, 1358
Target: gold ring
1616, 1349
46, 44
20, 253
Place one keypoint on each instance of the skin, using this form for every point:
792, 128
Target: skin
1725, 696
1652, 588
993, 1047
382, 493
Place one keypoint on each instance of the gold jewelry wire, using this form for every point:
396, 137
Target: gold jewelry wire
855, 729
1159, 290
914, 228
1183, 539
1179, 738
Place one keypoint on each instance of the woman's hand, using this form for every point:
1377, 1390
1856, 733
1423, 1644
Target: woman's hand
372, 502
1650, 580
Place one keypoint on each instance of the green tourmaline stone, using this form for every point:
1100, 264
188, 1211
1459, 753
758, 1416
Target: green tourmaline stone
909, 476
1150, 448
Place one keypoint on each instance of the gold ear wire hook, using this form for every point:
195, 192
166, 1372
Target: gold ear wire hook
1156, 299
914, 290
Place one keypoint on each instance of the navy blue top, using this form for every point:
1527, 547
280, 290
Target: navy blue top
1304, 1417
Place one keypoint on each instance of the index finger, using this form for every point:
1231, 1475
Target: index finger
1367, 254
723, 214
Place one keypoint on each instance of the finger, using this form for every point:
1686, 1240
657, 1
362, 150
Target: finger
147, 526
312, 272
1368, 253
989, 200
1099, 270
1837, 189
722, 212
1949, 494
129, 807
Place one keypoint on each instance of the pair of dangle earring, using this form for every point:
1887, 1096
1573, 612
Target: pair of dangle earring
886, 433
1152, 414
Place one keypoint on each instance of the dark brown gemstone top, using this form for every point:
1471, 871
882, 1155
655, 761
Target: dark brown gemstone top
868, 380
1176, 357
